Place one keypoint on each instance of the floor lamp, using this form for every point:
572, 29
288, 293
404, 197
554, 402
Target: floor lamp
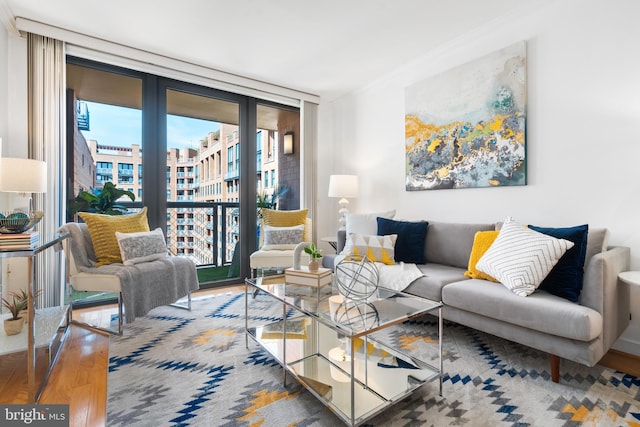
343, 186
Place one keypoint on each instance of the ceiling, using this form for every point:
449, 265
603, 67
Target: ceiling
327, 47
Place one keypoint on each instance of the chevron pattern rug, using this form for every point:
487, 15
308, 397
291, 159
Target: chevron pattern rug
180, 368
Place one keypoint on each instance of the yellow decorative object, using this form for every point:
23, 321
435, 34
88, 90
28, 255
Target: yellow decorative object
481, 242
102, 229
372, 350
286, 219
376, 248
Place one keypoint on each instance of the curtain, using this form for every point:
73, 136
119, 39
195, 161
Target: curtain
46, 104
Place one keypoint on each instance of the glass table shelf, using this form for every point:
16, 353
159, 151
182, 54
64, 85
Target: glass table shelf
322, 330
47, 324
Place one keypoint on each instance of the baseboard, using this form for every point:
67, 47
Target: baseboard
627, 345
623, 362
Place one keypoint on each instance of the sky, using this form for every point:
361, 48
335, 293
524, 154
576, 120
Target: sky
122, 127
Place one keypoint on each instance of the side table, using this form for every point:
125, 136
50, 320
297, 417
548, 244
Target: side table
630, 277
331, 241
47, 327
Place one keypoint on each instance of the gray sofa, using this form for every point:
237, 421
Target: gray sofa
582, 332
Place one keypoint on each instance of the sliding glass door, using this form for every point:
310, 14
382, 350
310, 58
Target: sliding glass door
203, 179
196, 157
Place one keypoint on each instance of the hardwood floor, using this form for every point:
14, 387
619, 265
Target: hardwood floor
79, 378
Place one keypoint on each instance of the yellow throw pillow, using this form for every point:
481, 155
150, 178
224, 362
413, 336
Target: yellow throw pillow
285, 219
376, 248
481, 242
102, 229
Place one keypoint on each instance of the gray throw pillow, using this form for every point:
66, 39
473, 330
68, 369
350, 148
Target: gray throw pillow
282, 238
141, 247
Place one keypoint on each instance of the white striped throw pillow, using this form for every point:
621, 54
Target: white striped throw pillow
521, 258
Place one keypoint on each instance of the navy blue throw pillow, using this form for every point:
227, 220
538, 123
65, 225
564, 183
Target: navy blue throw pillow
565, 279
410, 242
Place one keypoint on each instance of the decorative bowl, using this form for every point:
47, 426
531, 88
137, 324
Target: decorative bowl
18, 221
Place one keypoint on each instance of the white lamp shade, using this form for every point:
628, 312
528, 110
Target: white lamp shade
344, 186
19, 175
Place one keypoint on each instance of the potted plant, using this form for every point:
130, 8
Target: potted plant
23, 296
14, 324
103, 201
315, 254
270, 201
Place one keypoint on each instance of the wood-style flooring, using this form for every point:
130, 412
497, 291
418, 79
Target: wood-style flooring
79, 378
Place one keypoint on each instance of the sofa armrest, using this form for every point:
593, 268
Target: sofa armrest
342, 240
603, 292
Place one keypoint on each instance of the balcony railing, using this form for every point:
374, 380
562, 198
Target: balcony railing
219, 217
232, 174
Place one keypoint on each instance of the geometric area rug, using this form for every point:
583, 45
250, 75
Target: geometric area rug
179, 368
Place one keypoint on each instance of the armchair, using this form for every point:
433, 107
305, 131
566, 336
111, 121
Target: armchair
140, 287
279, 259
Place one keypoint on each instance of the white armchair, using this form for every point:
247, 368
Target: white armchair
278, 259
139, 287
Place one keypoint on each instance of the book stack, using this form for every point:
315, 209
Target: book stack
19, 241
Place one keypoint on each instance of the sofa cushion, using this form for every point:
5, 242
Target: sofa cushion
540, 311
276, 218
280, 238
365, 223
411, 235
565, 279
102, 229
450, 243
140, 247
271, 259
376, 248
521, 258
436, 276
481, 243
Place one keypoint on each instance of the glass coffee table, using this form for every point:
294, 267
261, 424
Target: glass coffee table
321, 331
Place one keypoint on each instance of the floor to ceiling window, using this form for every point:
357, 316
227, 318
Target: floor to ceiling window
191, 154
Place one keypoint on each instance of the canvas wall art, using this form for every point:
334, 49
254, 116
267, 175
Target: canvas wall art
465, 128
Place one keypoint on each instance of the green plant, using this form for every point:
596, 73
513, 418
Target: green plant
103, 201
22, 295
313, 251
270, 201
15, 305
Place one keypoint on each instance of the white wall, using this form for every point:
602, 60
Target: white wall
13, 131
4, 71
13, 103
583, 130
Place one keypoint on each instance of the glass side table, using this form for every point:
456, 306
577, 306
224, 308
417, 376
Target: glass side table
47, 327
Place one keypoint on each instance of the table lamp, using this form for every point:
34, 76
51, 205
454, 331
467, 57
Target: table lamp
26, 176
343, 186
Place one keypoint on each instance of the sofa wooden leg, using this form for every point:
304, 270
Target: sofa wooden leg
555, 367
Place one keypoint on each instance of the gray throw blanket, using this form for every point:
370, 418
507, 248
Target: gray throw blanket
144, 286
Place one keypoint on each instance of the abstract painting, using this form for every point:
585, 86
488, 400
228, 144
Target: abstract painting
465, 128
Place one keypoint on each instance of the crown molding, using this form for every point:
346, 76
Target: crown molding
7, 19
79, 44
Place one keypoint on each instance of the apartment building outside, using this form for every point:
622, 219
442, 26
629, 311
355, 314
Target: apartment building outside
208, 174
